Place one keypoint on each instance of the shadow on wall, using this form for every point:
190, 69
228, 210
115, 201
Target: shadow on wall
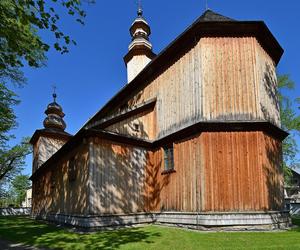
54, 193
271, 91
274, 174
126, 179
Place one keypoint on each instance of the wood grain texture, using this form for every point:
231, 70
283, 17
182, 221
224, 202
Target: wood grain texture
52, 191
44, 148
117, 178
218, 171
145, 122
217, 79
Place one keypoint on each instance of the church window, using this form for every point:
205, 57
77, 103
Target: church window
168, 158
136, 127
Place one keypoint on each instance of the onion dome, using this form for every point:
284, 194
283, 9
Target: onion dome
140, 32
140, 49
55, 114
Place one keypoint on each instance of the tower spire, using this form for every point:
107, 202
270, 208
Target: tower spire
54, 95
55, 114
140, 49
206, 5
140, 8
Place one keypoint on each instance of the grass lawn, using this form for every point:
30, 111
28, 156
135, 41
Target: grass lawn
30, 232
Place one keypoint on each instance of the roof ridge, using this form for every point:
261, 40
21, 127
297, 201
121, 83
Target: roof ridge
211, 16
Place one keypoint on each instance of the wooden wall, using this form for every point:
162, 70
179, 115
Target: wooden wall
217, 78
146, 122
220, 171
215, 171
44, 148
267, 92
117, 177
52, 191
242, 172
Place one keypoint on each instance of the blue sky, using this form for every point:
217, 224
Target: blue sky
94, 70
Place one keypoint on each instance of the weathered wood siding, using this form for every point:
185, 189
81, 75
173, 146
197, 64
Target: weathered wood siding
52, 191
146, 122
117, 177
225, 78
180, 191
220, 171
267, 93
44, 148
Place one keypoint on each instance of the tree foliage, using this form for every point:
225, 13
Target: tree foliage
290, 122
20, 44
20, 184
12, 160
7, 116
20, 22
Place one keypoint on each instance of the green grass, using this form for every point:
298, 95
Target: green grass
30, 232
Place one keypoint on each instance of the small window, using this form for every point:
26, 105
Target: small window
168, 158
71, 169
136, 127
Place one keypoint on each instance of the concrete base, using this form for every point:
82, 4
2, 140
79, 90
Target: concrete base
202, 221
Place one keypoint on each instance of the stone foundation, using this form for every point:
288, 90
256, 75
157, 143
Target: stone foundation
202, 221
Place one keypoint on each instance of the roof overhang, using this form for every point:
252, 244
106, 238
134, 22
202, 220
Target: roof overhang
53, 133
228, 126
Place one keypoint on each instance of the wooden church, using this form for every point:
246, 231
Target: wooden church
193, 139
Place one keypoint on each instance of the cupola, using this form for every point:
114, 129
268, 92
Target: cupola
140, 49
47, 141
54, 119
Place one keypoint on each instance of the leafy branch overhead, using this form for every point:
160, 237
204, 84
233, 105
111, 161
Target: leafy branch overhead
20, 21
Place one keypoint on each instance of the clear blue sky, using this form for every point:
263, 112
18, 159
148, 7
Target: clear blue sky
94, 70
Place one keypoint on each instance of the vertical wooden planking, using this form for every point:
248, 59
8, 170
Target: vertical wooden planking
217, 78
239, 179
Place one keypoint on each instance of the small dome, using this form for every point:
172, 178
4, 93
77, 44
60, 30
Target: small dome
54, 121
55, 114
55, 108
54, 105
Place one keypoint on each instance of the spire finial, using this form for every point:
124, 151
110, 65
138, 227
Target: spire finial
54, 92
206, 5
140, 9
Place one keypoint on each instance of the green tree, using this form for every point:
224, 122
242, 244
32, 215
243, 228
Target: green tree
19, 186
11, 158
20, 43
20, 22
7, 115
290, 122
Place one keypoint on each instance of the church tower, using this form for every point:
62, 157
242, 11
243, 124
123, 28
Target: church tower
52, 137
140, 49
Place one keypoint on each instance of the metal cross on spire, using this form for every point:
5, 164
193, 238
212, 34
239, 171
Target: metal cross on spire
140, 9
54, 92
206, 5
